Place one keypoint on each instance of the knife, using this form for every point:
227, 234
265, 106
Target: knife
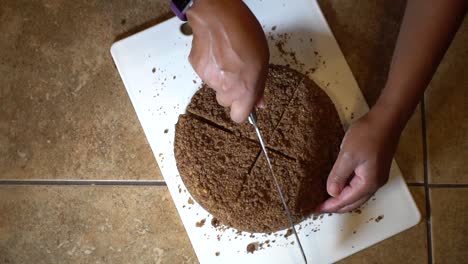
253, 120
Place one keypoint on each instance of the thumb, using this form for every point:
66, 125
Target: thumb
240, 109
342, 169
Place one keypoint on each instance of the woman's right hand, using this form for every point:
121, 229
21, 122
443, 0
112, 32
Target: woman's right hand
230, 53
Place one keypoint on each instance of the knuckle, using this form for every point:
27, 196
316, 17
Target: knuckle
226, 88
337, 177
222, 100
347, 156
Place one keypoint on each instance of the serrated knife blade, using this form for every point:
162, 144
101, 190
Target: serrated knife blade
253, 120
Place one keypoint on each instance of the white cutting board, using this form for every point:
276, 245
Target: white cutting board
161, 96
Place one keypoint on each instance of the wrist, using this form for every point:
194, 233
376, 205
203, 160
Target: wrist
392, 109
386, 118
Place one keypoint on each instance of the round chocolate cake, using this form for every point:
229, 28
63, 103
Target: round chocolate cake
222, 165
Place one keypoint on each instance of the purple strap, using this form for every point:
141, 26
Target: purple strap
178, 12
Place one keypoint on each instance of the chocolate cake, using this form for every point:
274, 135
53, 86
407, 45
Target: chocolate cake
222, 166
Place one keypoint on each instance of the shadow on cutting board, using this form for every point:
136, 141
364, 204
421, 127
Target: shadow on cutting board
146, 25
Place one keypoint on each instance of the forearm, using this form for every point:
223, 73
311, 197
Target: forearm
427, 29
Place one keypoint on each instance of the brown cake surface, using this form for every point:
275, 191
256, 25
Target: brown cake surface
212, 163
259, 195
310, 130
220, 165
279, 90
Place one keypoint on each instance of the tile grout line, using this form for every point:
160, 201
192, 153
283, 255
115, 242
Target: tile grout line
438, 185
85, 182
448, 185
426, 183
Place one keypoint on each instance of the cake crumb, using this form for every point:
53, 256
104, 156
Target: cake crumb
200, 223
166, 130
380, 217
215, 222
252, 247
190, 201
217, 253
153, 70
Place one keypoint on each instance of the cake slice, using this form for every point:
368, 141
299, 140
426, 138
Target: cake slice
310, 129
204, 105
302, 187
213, 164
279, 90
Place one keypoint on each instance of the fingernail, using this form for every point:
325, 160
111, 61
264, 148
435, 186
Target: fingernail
261, 104
333, 189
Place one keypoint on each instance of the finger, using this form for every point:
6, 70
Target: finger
240, 109
224, 99
342, 169
354, 205
356, 190
261, 102
195, 54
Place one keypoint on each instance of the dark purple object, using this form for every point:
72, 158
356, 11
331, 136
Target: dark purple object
178, 11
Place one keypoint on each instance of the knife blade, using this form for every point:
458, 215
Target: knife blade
253, 121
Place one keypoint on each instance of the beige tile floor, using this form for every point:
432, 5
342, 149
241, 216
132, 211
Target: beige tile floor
65, 115
449, 208
84, 224
447, 115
